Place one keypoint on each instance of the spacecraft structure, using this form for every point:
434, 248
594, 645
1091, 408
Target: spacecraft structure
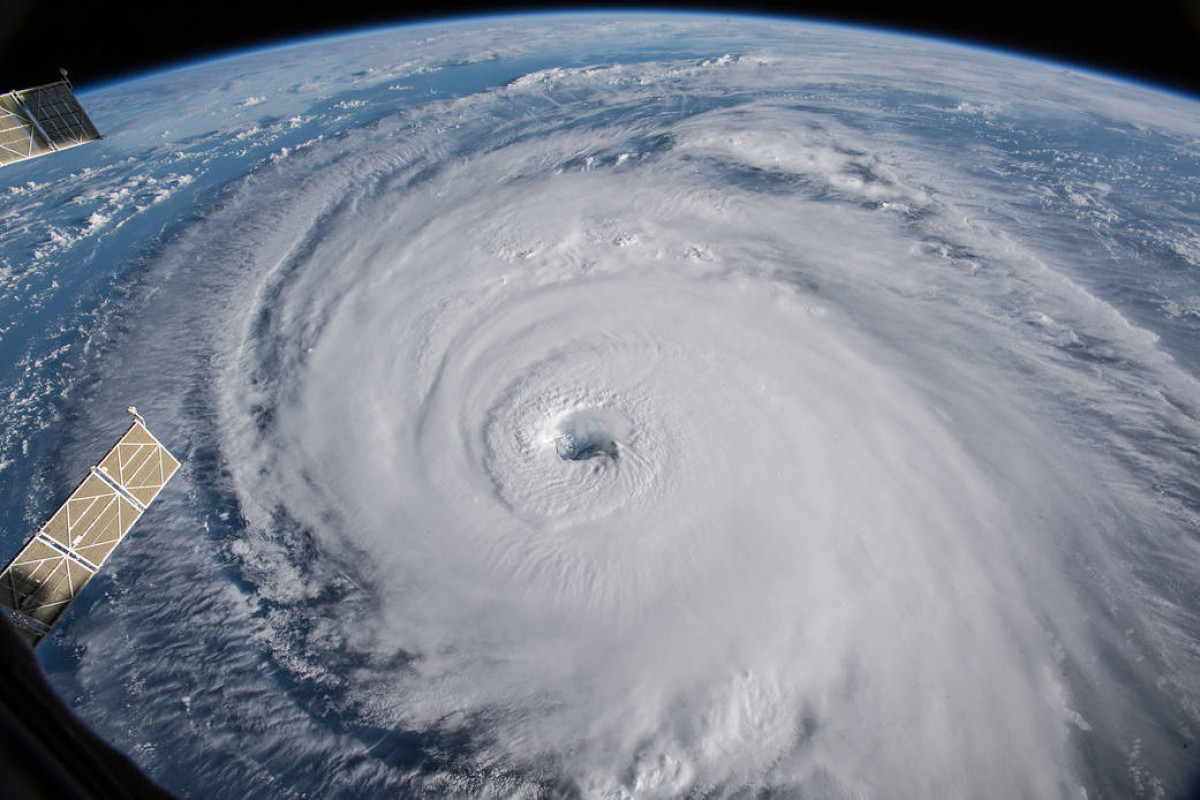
42, 120
45, 577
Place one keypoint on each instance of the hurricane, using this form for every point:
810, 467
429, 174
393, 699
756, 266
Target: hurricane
627, 407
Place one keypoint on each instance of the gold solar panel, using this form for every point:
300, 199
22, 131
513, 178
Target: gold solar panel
92, 521
139, 464
58, 114
41, 120
42, 581
19, 137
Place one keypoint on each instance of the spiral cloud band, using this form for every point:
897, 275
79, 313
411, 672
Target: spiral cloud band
686, 423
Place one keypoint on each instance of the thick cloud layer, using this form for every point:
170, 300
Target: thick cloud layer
703, 422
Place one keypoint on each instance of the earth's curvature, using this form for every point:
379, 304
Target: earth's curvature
643, 406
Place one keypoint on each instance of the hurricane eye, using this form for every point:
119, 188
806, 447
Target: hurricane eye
583, 435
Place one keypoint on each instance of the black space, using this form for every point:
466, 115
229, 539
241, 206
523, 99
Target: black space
1154, 41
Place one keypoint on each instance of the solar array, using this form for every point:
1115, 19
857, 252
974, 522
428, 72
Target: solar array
42, 581
41, 120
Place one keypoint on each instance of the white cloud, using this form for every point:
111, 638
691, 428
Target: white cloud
880, 464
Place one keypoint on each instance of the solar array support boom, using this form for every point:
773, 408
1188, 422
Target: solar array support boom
45, 577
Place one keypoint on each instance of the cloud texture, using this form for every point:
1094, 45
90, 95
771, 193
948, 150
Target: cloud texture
744, 417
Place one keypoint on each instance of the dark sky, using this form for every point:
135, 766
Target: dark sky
1156, 41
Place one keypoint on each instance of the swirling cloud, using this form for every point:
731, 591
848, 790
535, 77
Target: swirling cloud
679, 426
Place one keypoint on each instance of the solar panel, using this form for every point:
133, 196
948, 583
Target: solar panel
46, 576
139, 464
59, 114
19, 139
41, 120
